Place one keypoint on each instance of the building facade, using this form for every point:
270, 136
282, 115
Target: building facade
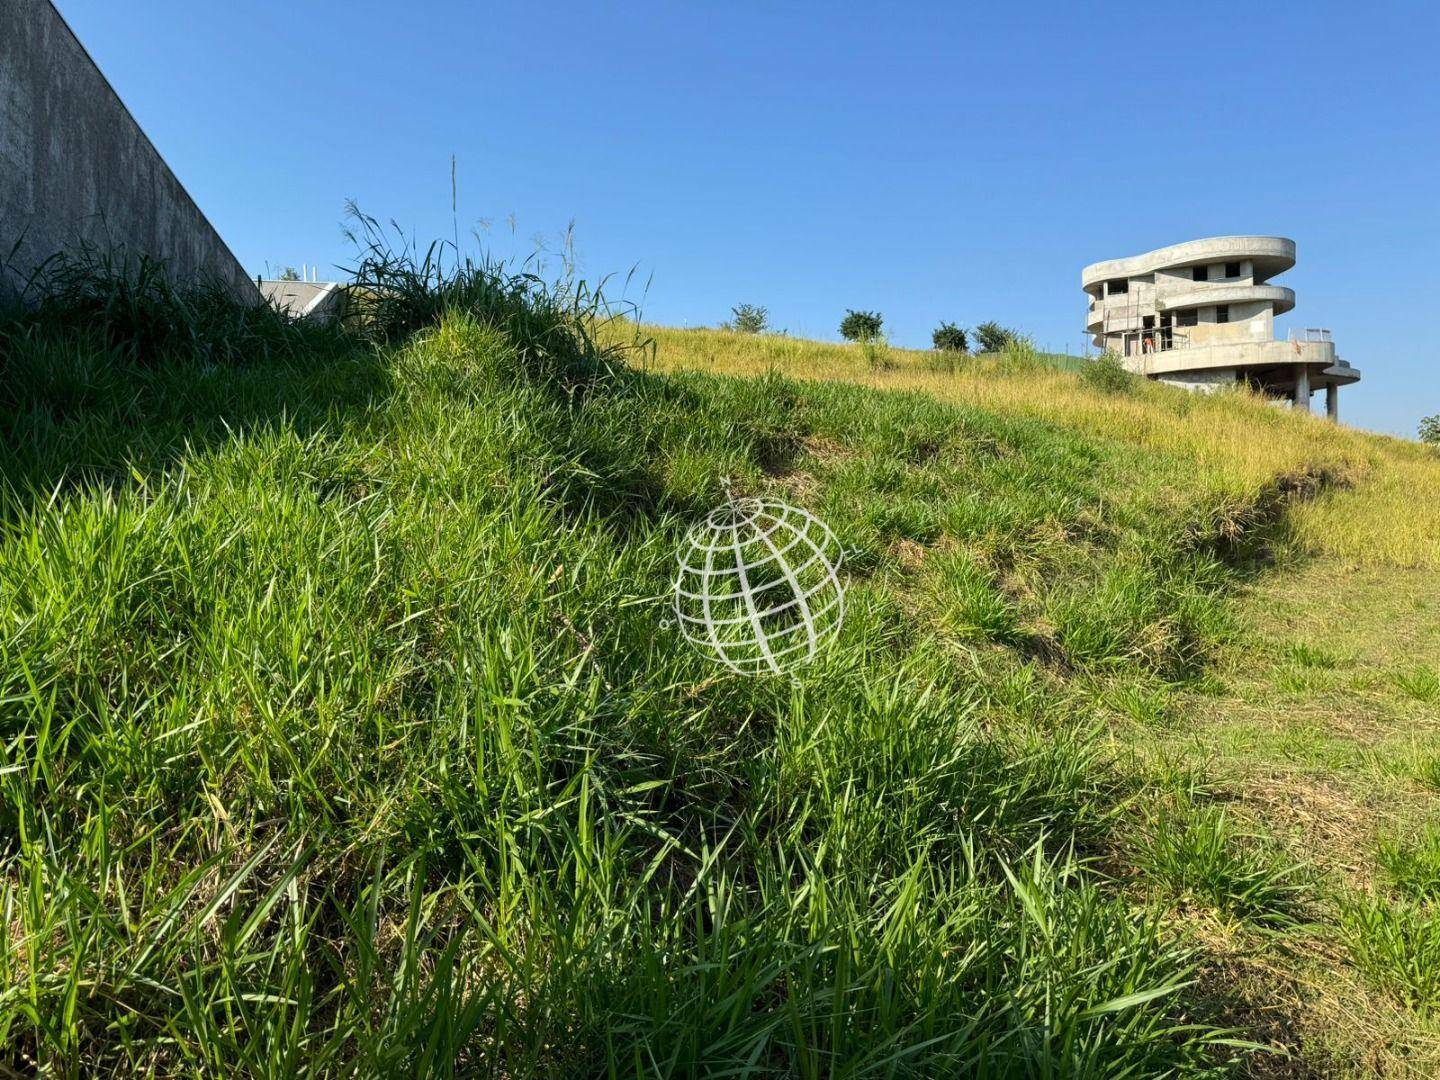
1202, 315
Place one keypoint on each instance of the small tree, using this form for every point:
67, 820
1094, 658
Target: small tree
992, 337
749, 319
289, 274
950, 338
1430, 430
860, 325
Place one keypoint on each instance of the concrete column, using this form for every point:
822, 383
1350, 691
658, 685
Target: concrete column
1332, 401
1302, 387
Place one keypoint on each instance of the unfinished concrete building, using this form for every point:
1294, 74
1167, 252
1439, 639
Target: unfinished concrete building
1202, 315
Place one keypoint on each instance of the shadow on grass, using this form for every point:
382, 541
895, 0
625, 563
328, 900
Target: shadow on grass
85, 403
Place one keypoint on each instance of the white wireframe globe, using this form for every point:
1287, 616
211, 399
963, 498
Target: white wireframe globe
758, 587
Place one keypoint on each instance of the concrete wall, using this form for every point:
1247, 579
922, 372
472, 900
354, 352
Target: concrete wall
1269, 255
75, 166
1238, 354
321, 301
1248, 321
1206, 382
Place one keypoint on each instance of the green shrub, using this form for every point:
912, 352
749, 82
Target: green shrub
950, 338
1107, 374
860, 325
748, 319
1430, 429
399, 290
992, 337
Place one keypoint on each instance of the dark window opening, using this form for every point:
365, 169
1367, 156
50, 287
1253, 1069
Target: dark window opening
1200, 273
1117, 286
1232, 269
1222, 313
1186, 318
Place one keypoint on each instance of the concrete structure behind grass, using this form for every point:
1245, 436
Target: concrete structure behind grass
1202, 315
75, 168
319, 301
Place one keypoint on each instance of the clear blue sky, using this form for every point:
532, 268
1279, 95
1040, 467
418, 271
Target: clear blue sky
929, 161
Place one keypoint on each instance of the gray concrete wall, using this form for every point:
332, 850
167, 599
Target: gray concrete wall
321, 301
1206, 382
75, 166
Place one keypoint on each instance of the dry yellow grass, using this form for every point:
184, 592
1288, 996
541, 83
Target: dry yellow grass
1386, 511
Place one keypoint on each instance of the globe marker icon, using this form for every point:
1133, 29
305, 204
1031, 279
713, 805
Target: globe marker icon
758, 587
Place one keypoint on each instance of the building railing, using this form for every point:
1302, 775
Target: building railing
1151, 339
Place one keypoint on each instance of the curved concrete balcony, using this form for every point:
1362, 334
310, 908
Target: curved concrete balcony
1122, 312
1340, 373
1281, 298
1269, 255
1319, 356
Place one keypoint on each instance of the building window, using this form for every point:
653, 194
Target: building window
1200, 273
1186, 318
1117, 286
1232, 269
1222, 313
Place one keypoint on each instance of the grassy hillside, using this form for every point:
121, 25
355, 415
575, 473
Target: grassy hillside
1380, 504
1316, 724
343, 728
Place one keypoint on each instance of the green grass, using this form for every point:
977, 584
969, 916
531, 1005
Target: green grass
343, 730
1395, 939
1303, 697
1196, 854
1396, 944
1306, 655
1422, 684
1427, 770
1354, 497
1413, 865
